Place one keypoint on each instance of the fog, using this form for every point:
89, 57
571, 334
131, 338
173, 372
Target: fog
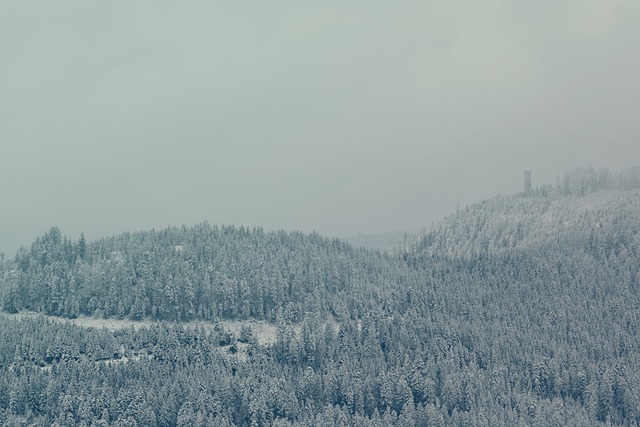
339, 117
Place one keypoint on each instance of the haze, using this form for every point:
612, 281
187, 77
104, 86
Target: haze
340, 117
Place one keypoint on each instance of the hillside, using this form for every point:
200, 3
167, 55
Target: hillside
519, 310
598, 223
202, 272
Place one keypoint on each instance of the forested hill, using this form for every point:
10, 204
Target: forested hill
203, 272
520, 310
593, 213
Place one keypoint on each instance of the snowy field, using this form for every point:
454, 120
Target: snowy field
264, 332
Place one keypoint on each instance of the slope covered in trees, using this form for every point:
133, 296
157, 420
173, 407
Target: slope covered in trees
589, 212
201, 272
520, 310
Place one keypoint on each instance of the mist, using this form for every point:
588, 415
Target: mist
339, 117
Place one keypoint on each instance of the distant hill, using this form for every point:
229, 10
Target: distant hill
388, 242
584, 213
510, 224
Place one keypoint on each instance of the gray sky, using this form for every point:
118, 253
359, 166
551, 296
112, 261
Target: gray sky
343, 117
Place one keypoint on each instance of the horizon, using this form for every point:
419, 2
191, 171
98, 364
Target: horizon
352, 238
250, 227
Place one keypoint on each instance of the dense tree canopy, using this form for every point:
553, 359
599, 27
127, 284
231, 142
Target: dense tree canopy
520, 310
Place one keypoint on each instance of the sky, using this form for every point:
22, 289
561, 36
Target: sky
340, 117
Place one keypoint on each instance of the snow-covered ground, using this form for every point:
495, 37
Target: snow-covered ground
264, 332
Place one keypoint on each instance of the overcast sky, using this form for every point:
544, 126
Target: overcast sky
343, 117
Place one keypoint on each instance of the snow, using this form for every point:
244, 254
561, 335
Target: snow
264, 332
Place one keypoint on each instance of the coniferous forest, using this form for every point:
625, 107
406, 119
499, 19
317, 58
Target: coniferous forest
518, 310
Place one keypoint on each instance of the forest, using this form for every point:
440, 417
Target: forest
522, 309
